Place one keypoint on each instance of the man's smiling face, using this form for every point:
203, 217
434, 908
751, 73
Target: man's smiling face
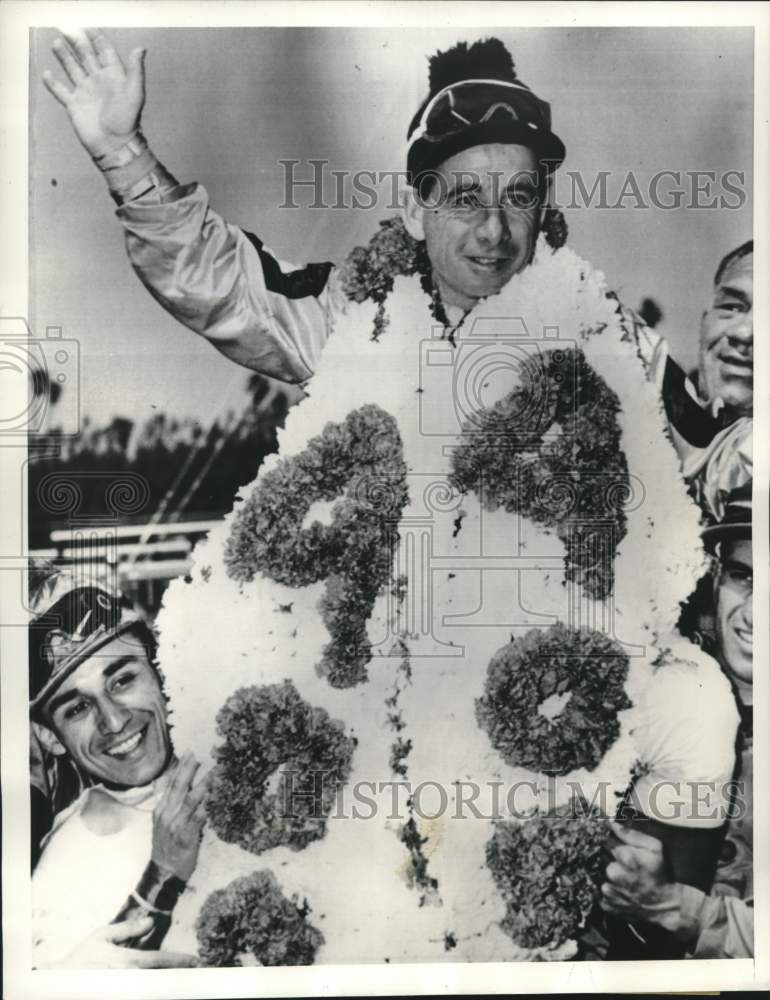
480, 221
110, 715
727, 338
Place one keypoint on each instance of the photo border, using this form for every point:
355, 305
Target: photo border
323, 980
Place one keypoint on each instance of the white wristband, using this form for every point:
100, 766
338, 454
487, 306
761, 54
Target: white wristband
121, 157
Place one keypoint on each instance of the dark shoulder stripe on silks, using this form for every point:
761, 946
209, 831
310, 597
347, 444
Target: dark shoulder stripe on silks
694, 423
746, 731
305, 281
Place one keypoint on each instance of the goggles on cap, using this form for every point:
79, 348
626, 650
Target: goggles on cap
736, 522
475, 102
69, 632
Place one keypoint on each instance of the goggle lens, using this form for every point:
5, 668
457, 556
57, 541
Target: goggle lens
475, 103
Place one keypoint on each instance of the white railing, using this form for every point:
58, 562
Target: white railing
128, 548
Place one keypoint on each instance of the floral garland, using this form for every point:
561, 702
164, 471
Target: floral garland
417, 872
363, 458
369, 272
252, 915
266, 559
549, 870
564, 480
266, 729
584, 665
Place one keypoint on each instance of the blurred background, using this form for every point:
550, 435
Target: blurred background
224, 106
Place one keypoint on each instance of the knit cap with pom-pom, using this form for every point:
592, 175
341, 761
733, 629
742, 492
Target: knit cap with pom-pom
518, 115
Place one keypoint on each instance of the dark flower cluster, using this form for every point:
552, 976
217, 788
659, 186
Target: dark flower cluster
404, 673
548, 870
368, 272
550, 451
401, 748
359, 461
417, 876
417, 869
266, 729
399, 751
582, 664
554, 226
252, 916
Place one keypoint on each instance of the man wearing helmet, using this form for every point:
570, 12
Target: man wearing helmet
639, 886
118, 858
481, 150
481, 153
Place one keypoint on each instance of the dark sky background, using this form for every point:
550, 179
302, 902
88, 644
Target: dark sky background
226, 104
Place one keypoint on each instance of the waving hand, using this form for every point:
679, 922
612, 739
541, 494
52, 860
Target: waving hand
103, 97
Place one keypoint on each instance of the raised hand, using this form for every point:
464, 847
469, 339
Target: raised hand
105, 98
178, 821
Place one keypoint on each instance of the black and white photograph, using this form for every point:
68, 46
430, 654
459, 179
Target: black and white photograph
380, 512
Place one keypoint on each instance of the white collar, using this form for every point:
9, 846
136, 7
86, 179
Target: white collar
142, 798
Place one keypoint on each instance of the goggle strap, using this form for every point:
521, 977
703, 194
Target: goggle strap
421, 129
77, 634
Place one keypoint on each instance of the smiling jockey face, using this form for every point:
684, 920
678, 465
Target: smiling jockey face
110, 716
479, 220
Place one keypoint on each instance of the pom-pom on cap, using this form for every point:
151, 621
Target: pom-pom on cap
476, 97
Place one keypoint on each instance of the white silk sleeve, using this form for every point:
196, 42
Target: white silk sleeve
685, 740
211, 276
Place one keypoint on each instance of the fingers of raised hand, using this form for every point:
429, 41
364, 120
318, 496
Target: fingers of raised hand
70, 65
59, 91
104, 51
81, 45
